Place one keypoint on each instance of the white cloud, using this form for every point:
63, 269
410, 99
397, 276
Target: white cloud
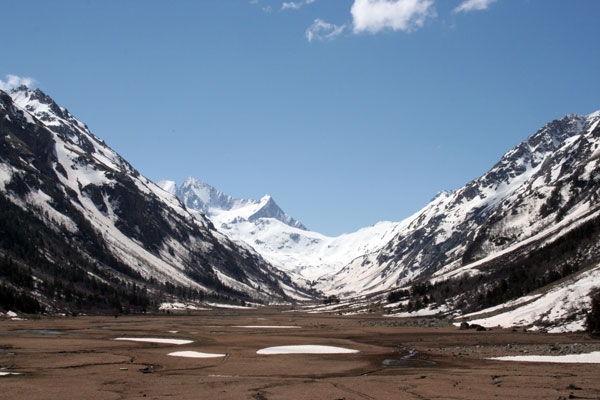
13, 81
323, 30
265, 8
294, 5
473, 5
404, 15
291, 5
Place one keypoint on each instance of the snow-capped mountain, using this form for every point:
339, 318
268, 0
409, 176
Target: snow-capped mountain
279, 238
531, 221
93, 206
548, 181
199, 196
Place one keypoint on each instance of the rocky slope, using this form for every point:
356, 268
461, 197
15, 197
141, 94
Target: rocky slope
71, 206
543, 187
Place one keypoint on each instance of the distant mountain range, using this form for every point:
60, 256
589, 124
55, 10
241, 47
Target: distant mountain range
82, 231
281, 239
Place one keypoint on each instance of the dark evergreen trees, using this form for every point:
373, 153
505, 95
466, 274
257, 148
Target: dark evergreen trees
593, 317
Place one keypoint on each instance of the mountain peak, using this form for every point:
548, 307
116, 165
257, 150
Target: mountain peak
270, 209
593, 117
44, 108
22, 93
197, 195
200, 196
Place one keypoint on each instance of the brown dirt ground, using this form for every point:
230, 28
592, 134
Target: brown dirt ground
77, 358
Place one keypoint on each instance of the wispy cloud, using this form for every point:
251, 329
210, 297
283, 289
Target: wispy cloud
294, 5
399, 15
264, 8
473, 5
13, 81
322, 30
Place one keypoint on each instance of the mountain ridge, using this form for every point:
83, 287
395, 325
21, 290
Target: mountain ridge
71, 185
441, 232
199, 196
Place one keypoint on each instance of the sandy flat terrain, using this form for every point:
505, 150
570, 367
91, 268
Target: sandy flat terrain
60, 358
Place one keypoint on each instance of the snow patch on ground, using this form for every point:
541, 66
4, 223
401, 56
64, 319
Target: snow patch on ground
589, 358
4, 373
195, 354
267, 326
157, 340
306, 349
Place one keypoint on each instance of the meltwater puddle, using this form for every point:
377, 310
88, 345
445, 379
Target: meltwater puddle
408, 360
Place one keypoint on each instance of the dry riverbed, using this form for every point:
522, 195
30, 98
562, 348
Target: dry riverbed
228, 354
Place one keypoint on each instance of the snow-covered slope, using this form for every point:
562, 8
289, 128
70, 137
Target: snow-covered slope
282, 240
53, 167
550, 179
519, 246
563, 308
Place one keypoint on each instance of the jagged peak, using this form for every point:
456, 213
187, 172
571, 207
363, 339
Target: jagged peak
535, 149
43, 107
20, 88
23, 94
268, 208
593, 117
191, 181
201, 196
552, 135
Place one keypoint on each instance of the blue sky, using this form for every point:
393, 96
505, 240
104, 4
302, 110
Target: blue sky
347, 112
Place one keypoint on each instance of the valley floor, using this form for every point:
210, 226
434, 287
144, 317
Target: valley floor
58, 358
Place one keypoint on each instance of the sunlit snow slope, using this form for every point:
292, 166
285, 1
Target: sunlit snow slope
281, 239
541, 187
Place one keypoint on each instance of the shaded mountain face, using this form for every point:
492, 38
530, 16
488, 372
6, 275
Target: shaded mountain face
71, 207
